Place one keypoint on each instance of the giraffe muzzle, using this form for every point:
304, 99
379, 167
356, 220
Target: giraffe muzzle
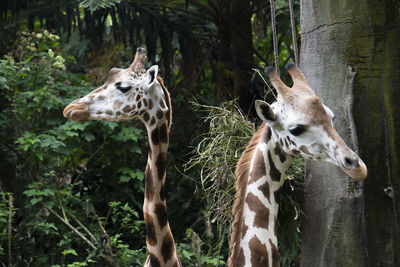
76, 111
354, 167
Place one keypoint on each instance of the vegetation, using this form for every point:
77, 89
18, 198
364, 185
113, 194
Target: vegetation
64, 199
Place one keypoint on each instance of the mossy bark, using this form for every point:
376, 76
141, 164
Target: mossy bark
350, 54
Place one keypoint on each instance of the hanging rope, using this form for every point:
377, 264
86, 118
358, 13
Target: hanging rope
274, 36
294, 38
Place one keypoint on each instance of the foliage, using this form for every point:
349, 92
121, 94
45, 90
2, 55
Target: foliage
191, 252
217, 154
65, 175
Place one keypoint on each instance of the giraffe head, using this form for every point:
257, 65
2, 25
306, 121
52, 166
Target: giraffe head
126, 94
303, 124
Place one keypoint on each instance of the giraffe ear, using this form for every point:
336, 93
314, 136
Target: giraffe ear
264, 111
152, 74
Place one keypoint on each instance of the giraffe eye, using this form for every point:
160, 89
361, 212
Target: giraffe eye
298, 130
123, 89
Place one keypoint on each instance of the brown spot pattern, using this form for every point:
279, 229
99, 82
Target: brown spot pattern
109, 112
275, 255
240, 260
264, 188
167, 247
153, 120
279, 151
286, 143
161, 211
273, 171
162, 192
261, 218
150, 104
137, 98
244, 230
159, 114
80, 115
280, 141
292, 142
146, 117
127, 108
266, 135
101, 97
148, 184
154, 262
139, 105
162, 104
155, 136
163, 134
150, 229
259, 253
145, 102
160, 163
258, 169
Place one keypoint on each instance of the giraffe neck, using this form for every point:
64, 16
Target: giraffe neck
254, 240
159, 238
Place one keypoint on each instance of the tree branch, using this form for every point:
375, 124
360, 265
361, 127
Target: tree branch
72, 228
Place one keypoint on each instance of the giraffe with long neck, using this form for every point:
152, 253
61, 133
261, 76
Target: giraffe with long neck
297, 124
135, 93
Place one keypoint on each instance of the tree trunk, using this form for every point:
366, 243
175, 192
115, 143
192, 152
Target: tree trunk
350, 54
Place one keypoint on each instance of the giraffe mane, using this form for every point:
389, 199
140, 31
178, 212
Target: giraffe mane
242, 174
167, 100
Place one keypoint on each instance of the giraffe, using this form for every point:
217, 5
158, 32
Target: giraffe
296, 124
136, 93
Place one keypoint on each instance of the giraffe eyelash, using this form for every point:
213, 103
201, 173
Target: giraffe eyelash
122, 88
298, 129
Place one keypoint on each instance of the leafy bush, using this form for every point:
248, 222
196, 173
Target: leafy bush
63, 169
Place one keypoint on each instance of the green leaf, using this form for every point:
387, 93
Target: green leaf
128, 175
88, 136
70, 252
128, 134
49, 141
36, 200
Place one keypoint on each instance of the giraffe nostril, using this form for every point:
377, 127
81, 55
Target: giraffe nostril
351, 162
